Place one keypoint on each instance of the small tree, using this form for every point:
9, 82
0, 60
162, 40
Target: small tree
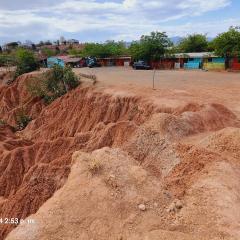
151, 47
26, 62
194, 43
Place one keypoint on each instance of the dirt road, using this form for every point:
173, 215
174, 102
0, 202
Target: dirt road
197, 86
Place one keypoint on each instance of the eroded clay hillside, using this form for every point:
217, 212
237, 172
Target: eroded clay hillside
100, 165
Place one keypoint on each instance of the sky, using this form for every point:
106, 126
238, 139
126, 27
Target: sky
101, 20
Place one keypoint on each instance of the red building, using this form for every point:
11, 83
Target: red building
115, 61
166, 63
235, 64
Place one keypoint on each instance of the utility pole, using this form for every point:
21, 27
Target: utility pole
153, 82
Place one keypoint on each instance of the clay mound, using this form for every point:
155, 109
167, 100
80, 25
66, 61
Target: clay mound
34, 168
30, 174
109, 196
6, 76
222, 145
82, 110
36, 162
210, 117
16, 96
225, 141
154, 142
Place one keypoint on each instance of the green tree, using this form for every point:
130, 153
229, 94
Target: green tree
107, 49
227, 44
26, 62
151, 47
135, 50
194, 43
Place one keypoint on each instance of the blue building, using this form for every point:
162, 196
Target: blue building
64, 61
193, 63
200, 60
51, 61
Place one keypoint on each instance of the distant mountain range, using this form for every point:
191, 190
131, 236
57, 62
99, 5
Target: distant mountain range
176, 39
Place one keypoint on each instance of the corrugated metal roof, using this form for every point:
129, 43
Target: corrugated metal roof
195, 55
68, 59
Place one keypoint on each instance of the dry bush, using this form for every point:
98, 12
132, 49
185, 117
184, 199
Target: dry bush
94, 166
22, 119
2, 122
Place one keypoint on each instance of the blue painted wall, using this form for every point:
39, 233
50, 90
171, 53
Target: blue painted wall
194, 63
218, 60
51, 61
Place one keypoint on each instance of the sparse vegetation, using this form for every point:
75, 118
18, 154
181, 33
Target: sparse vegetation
22, 119
2, 122
7, 60
36, 87
49, 52
53, 84
90, 76
94, 166
26, 62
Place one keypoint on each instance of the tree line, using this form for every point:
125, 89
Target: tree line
150, 47
157, 45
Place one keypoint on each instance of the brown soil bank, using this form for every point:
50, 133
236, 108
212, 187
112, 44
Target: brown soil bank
142, 172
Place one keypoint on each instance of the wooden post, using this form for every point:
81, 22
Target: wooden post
154, 72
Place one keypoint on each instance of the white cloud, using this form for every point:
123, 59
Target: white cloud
126, 19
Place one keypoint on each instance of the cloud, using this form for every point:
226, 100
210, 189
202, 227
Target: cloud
126, 19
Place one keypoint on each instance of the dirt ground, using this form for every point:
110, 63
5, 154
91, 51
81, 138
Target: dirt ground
173, 85
120, 161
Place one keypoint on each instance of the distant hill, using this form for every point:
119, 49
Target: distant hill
176, 39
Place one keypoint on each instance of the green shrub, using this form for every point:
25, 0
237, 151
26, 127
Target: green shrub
53, 84
26, 62
7, 60
36, 87
69, 78
22, 119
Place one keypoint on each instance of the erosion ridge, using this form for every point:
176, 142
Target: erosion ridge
145, 148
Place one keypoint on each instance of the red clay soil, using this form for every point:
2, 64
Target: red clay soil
149, 161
